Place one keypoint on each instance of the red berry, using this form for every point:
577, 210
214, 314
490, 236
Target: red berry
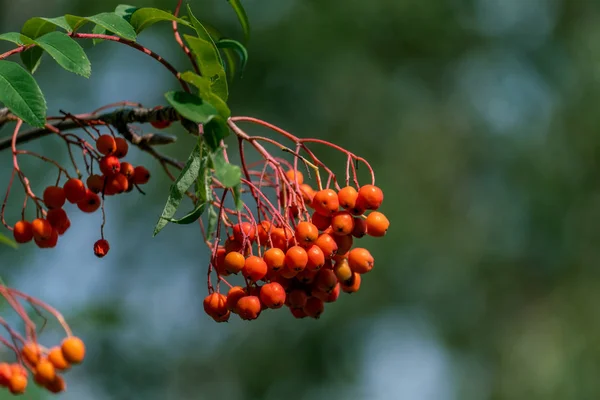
74, 190
106, 144
141, 175
101, 248
110, 165
23, 231
272, 295
54, 197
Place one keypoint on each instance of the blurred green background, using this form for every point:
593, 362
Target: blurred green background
480, 119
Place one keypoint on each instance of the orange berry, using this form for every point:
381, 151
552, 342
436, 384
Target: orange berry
42, 230
255, 268
308, 193
127, 169
57, 385
56, 357
326, 202
352, 285
116, 184
23, 231
282, 238
272, 295
90, 203
325, 280
314, 307
264, 229
344, 243
243, 231
377, 224
316, 258
122, 147
296, 258
327, 244
360, 227
297, 298
110, 165
58, 219
321, 221
298, 312
342, 270
288, 273
74, 190
370, 196
31, 352
44, 371
342, 223
234, 295
274, 258
17, 384
54, 197
215, 305
47, 243
295, 176
95, 184
106, 144
73, 349
328, 297
306, 276
101, 248
249, 307
347, 197
18, 369
5, 373
141, 175
360, 260
234, 262
306, 233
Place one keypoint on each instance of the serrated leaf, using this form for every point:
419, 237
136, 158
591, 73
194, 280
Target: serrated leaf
242, 17
124, 11
240, 49
203, 85
145, 17
186, 178
191, 107
34, 28
21, 94
16, 38
228, 174
115, 24
7, 241
209, 63
67, 52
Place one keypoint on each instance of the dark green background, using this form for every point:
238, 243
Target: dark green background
480, 119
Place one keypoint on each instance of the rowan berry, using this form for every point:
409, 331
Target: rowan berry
255, 268
274, 258
127, 169
272, 295
159, 124
370, 196
328, 297
54, 197
308, 193
288, 273
325, 280
298, 312
249, 307
74, 190
314, 307
296, 258
235, 293
316, 258
321, 221
106, 144
344, 243
306, 233
18, 369
295, 176
327, 244
47, 243
95, 184
360, 227
116, 184
90, 203
17, 384
42, 230
352, 285
215, 305
122, 147
326, 202
23, 231
347, 197
56, 357
360, 260
73, 349
263, 232
110, 165
141, 175
297, 298
44, 371
101, 248
57, 385
5, 373
58, 219
377, 224
282, 238
234, 262
31, 353
342, 223
244, 230
306, 276
222, 318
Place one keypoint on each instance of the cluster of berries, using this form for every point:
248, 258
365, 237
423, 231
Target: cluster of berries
45, 365
116, 177
304, 265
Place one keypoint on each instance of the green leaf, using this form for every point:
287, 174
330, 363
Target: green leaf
186, 178
16, 38
67, 52
21, 94
209, 63
240, 48
75, 22
228, 174
191, 217
213, 218
7, 241
203, 85
61, 22
125, 11
243, 18
237, 196
145, 17
34, 28
115, 24
215, 131
191, 107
